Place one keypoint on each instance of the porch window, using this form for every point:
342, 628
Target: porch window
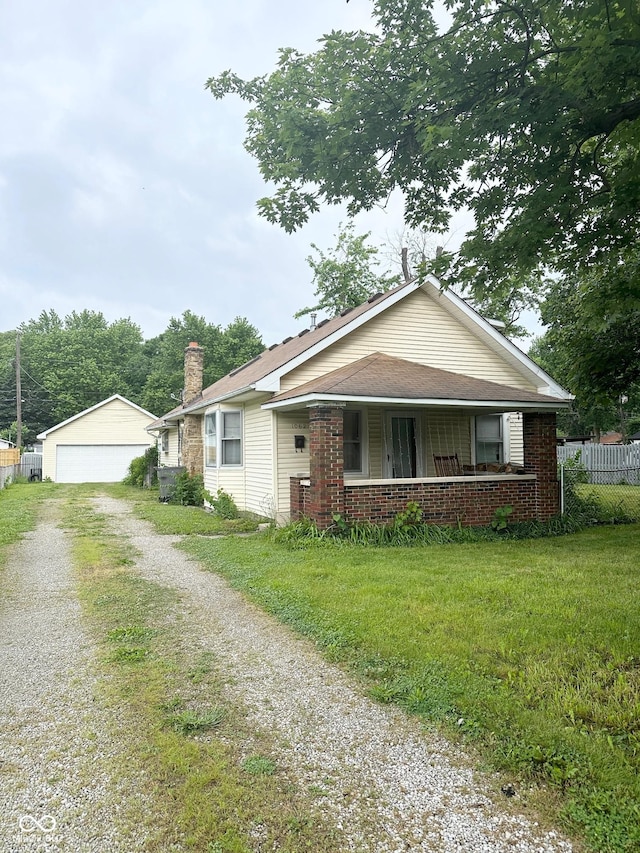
489, 439
210, 440
352, 428
231, 438
164, 441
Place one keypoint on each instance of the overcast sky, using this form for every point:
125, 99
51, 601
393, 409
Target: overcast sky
125, 187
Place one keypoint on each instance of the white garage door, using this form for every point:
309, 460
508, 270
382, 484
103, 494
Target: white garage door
95, 463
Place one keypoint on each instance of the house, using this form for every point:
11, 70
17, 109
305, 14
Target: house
96, 445
410, 396
612, 438
635, 438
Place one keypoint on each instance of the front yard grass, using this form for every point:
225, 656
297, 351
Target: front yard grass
186, 741
528, 649
19, 504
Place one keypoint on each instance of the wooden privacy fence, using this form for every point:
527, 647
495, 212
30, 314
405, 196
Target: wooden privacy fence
9, 456
605, 464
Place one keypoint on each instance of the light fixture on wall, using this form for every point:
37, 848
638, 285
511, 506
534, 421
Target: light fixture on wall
298, 442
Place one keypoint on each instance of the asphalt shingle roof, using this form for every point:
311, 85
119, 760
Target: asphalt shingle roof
380, 375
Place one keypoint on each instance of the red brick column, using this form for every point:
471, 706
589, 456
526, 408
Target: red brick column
296, 498
326, 457
540, 458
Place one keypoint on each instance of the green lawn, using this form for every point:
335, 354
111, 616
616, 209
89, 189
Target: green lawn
531, 649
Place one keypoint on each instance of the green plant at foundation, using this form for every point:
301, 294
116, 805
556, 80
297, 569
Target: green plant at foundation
188, 490
500, 518
223, 505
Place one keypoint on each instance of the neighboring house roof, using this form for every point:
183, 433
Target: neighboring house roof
611, 438
43, 435
383, 377
635, 436
263, 373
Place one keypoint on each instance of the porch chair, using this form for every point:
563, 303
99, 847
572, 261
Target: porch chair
448, 466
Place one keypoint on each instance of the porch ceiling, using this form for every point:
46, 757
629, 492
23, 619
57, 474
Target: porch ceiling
383, 378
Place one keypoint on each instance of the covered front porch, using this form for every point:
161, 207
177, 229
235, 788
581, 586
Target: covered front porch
384, 431
453, 487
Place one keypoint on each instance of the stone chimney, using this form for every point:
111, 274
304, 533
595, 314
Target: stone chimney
192, 447
193, 365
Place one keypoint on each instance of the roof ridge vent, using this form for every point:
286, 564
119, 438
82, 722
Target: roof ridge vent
273, 346
322, 322
286, 340
375, 296
346, 311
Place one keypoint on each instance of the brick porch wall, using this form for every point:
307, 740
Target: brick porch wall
469, 501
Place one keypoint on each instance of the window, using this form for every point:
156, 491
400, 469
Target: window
210, 440
489, 439
352, 428
231, 436
164, 441
223, 438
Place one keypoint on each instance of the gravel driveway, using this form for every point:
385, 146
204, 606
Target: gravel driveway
385, 783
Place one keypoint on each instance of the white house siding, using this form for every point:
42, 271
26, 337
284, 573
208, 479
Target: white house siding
250, 484
516, 439
417, 329
115, 423
289, 461
172, 455
258, 460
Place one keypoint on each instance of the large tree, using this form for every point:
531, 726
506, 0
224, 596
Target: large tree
70, 364
527, 113
347, 274
224, 349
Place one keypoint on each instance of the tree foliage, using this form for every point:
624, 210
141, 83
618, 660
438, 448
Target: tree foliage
69, 364
596, 356
525, 113
224, 349
346, 276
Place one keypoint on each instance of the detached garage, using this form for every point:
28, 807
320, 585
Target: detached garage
97, 445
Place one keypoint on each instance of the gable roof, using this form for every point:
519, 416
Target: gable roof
82, 414
380, 377
263, 373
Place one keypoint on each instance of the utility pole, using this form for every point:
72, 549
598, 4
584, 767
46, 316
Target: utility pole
18, 395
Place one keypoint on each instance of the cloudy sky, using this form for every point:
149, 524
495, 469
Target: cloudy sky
124, 186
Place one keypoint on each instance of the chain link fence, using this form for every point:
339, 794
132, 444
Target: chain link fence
600, 482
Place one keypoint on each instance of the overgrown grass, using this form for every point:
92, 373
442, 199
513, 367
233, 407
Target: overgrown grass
19, 504
181, 520
187, 741
529, 649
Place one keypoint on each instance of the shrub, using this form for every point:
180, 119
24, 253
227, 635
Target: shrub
142, 467
223, 504
188, 490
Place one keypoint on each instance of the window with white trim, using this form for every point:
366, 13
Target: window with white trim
490, 439
164, 441
223, 438
211, 440
231, 438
